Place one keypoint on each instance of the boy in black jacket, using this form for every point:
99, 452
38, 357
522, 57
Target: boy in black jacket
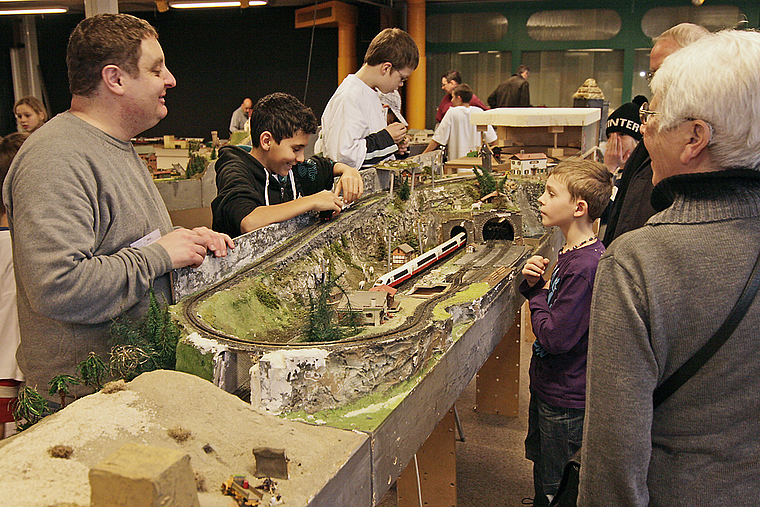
274, 182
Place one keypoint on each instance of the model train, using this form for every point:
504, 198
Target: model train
414, 266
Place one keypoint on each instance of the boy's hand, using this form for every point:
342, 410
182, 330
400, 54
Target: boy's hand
397, 131
534, 269
403, 146
326, 201
350, 184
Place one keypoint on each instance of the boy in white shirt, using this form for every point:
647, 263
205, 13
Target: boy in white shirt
455, 130
355, 131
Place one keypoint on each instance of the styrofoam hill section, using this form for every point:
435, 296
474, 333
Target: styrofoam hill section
328, 466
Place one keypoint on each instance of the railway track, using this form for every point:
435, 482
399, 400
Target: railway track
279, 255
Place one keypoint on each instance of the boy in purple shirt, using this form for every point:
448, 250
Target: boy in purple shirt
577, 191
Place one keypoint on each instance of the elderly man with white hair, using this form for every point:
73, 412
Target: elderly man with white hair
662, 291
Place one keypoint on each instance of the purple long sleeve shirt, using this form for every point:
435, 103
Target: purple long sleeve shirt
560, 316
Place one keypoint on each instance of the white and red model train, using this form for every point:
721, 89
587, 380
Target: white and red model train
414, 266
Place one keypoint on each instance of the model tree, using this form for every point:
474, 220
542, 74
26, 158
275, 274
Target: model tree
29, 408
321, 323
150, 344
487, 182
60, 385
92, 371
404, 190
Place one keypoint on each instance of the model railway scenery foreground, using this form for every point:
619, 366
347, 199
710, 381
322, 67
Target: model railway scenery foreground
385, 286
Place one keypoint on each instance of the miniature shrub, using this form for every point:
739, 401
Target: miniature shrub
266, 297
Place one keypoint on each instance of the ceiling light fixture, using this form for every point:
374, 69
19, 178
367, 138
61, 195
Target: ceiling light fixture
211, 5
26, 10
203, 5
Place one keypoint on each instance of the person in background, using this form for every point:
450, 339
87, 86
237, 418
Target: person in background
240, 116
577, 191
10, 374
273, 182
631, 207
355, 130
663, 290
514, 92
623, 134
449, 81
30, 114
455, 131
90, 250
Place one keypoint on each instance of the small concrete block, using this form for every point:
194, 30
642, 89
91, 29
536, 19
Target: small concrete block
271, 463
143, 476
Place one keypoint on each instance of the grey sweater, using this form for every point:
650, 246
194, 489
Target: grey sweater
661, 291
77, 199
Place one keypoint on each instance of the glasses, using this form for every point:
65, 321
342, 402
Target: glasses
650, 75
645, 114
403, 77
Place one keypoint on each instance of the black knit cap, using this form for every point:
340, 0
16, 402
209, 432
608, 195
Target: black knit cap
625, 120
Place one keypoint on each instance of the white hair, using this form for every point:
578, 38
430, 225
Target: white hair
683, 34
716, 79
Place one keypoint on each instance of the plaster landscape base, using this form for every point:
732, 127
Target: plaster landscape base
223, 433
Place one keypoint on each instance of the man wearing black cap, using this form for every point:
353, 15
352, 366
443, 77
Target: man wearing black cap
623, 134
631, 207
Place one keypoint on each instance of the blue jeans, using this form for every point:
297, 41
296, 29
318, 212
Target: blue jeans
554, 435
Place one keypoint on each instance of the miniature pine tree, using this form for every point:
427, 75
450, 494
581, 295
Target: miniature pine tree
29, 408
92, 371
321, 324
145, 346
487, 182
60, 385
404, 190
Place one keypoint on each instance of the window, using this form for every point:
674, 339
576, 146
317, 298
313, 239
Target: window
712, 17
466, 27
556, 75
587, 24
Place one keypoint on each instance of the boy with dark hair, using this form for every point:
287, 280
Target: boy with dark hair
577, 191
273, 182
456, 131
354, 127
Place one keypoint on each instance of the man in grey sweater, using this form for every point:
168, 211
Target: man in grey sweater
90, 232
662, 290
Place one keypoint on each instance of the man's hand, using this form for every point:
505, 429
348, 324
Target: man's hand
350, 184
397, 131
614, 154
188, 247
216, 242
534, 269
